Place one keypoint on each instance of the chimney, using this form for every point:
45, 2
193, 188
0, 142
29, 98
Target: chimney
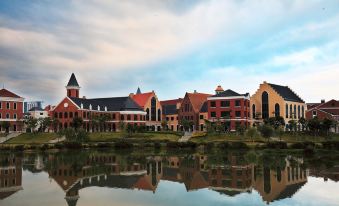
84, 97
195, 91
322, 101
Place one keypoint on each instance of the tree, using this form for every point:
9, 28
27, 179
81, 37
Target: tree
240, 129
31, 123
164, 124
266, 131
252, 132
5, 125
279, 132
186, 124
276, 122
303, 122
293, 125
45, 123
54, 123
326, 125
77, 122
314, 125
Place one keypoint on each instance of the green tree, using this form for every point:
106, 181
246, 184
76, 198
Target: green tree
186, 124
45, 123
240, 129
276, 122
5, 125
326, 125
252, 132
164, 124
293, 125
32, 124
55, 123
314, 125
266, 131
279, 132
77, 122
303, 122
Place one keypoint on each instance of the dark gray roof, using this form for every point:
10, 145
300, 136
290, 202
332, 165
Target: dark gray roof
229, 93
73, 81
169, 109
36, 109
290, 190
112, 103
286, 93
204, 107
138, 90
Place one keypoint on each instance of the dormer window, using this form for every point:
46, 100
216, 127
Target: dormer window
90, 107
98, 108
105, 109
81, 106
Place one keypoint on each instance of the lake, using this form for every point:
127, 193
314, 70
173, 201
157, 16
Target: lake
105, 177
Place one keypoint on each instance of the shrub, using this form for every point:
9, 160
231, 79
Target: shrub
302, 145
44, 147
123, 145
157, 145
104, 145
224, 145
19, 147
331, 145
238, 145
73, 145
59, 145
276, 145
181, 145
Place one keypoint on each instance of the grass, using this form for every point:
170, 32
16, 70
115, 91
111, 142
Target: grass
111, 136
29, 138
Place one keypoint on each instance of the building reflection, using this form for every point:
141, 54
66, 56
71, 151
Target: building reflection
230, 176
10, 175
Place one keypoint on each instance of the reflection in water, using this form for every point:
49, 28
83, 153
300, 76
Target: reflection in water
273, 177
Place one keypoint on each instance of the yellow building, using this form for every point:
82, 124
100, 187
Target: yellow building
272, 100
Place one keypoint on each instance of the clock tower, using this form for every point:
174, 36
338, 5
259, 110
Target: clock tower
73, 87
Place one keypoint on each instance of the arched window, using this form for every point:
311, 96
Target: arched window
286, 110
291, 111
253, 111
265, 106
277, 110
66, 115
159, 115
295, 111
303, 111
153, 109
298, 111
147, 114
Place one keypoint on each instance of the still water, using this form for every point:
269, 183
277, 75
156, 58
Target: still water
97, 177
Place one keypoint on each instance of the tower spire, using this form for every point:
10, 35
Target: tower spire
138, 90
73, 87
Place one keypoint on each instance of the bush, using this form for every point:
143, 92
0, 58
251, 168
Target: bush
104, 145
239, 145
19, 147
276, 145
302, 145
73, 145
224, 145
123, 145
44, 147
331, 145
181, 145
59, 146
157, 145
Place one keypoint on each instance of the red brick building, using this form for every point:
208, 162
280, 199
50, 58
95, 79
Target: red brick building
329, 110
11, 110
230, 108
170, 113
116, 110
190, 108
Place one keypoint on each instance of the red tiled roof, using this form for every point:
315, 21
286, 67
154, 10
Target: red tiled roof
197, 100
141, 99
6, 93
171, 101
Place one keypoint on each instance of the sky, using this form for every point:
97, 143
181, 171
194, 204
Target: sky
169, 46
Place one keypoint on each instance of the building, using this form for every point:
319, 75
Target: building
98, 114
190, 109
37, 113
10, 175
29, 105
170, 113
151, 105
322, 110
230, 108
272, 100
11, 110
203, 116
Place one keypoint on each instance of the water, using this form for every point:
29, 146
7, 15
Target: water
140, 178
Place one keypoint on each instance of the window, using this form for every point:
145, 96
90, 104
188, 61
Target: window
253, 111
314, 113
295, 111
265, 105
66, 115
128, 117
299, 111
167, 118
286, 108
122, 117
159, 115
226, 183
237, 103
14, 116
277, 110
153, 109
172, 118
225, 114
303, 111
0, 105
71, 115
14, 105
225, 103
7, 116
8, 106
291, 111
213, 114
135, 117
147, 114
0, 117
213, 104
201, 117
238, 114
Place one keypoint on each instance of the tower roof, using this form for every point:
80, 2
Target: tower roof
219, 89
138, 91
73, 81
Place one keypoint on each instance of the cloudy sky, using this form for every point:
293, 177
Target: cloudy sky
170, 46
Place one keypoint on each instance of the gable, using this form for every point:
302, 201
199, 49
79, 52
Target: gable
70, 105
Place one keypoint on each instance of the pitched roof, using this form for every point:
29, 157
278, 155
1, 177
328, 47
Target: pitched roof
141, 99
197, 100
229, 93
171, 101
36, 109
204, 107
73, 81
112, 103
6, 93
169, 109
286, 93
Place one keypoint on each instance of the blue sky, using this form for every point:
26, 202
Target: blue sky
170, 46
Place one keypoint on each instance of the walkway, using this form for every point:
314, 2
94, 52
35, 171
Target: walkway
53, 141
9, 136
186, 137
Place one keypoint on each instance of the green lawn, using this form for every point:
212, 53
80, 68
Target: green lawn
109, 136
29, 138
